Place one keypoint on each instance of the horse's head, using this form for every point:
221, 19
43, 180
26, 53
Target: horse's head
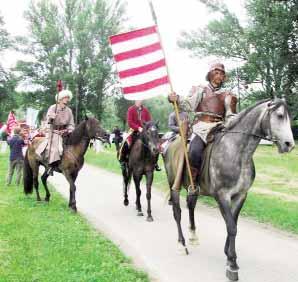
94, 130
151, 136
276, 124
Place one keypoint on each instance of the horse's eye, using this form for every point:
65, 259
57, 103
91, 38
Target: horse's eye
280, 116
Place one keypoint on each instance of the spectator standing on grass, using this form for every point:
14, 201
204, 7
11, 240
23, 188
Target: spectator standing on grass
16, 158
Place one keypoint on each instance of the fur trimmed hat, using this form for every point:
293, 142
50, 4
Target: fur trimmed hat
62, 94
217, 66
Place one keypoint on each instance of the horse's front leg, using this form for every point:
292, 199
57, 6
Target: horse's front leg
72, 191
149, 180
44, 178
231, 224
237, 205
137, 179
191, 204
35, 182
175, 196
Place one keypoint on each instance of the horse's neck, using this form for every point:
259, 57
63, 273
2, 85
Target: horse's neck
80, 143
244, 139
144, 152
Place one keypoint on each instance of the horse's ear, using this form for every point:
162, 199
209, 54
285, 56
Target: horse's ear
86, 117
157, 123
273, 94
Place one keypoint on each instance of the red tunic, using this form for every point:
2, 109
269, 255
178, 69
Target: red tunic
135, 118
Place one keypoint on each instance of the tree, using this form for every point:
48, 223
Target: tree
8, 81
70, 42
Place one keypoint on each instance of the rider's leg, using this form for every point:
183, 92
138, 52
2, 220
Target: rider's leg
196, 150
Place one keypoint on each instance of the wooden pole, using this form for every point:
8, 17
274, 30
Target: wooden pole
175, 103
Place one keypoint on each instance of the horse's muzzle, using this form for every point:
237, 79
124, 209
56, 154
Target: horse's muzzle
286, 146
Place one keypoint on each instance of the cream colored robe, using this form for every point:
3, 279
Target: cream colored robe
54, 152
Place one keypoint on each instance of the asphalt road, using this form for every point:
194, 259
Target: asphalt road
264, 254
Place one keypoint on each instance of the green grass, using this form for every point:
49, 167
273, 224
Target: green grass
274, 172
47, 242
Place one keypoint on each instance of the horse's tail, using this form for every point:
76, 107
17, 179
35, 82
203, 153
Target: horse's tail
28, 176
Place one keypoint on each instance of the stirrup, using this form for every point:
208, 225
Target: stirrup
50, 171
157, 168
191, 192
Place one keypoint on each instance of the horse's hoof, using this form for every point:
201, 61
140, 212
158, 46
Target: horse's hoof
182, 250
74, 209
232, 265
232, 275
47, 199
126, 202
193, 238
149, 218
38, 199
140, 213
194, 241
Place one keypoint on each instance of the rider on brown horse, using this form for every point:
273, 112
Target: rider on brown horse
211, 104
60, 123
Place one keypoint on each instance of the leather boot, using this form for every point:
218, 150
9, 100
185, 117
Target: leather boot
195, 173
124, 153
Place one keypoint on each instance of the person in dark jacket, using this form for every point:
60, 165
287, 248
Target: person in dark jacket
16, 158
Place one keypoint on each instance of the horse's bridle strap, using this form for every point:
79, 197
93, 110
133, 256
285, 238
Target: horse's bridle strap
269, 137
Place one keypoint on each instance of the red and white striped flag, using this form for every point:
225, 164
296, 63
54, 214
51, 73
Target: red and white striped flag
11, 123
140, 63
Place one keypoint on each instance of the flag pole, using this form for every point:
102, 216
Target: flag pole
175, 102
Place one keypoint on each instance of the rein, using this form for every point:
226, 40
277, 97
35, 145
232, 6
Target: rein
269, 136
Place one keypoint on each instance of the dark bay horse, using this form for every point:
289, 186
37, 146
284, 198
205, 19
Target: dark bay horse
71, 163
231, 168
142, 160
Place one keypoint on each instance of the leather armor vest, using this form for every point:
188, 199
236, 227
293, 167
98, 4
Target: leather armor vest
215, 103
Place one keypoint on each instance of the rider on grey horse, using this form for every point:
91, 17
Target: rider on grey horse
211, 104
59, 123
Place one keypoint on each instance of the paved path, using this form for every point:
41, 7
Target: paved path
265, 255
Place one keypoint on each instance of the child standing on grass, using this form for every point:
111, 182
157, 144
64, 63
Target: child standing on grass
16, 158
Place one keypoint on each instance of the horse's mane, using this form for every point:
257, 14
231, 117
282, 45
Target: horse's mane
243, 113
76, 136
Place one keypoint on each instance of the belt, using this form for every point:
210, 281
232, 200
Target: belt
207, 118
59, 127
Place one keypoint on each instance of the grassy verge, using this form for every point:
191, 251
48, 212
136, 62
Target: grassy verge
271, 168
46, 242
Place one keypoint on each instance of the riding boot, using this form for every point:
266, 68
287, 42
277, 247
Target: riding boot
50, 170
124, 154
195, 174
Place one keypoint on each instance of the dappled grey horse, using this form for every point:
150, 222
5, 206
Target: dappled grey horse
231, 168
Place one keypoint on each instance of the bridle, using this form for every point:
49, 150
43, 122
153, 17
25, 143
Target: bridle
143, 138
267, 130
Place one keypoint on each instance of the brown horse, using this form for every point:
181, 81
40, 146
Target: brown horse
72, 160
142, 161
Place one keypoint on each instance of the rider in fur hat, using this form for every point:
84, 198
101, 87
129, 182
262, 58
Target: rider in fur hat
60, 122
